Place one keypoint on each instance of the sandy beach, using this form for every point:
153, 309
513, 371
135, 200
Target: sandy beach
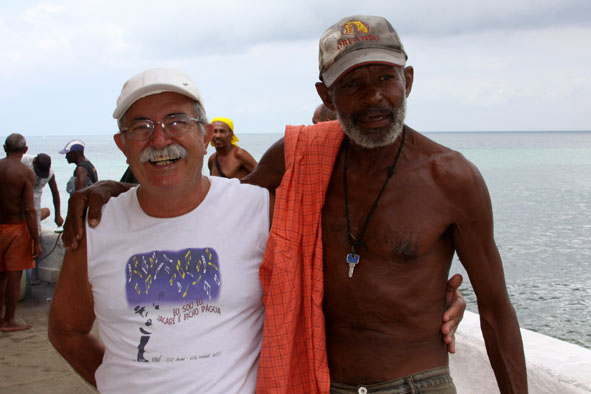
28, 362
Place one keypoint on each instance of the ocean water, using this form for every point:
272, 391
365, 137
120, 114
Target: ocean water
540, 186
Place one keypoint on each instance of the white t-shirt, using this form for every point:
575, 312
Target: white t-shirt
178, 300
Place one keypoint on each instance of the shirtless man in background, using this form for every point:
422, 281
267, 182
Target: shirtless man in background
229, 160
19, 237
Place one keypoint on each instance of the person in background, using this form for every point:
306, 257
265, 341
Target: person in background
323, 114
85, 173
19, 237
229, 160
171, 278
41, 166
44, 174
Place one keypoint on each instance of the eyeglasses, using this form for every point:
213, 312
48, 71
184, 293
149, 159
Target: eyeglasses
173, 125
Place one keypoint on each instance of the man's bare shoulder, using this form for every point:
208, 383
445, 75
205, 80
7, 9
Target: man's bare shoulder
8, 162
448, 168
269, 172
16, 190
242, 154
16, 170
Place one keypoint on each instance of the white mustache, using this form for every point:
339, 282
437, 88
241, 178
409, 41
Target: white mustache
170, 152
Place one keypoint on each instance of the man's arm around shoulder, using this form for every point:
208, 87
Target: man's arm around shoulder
72, 315
92, 197
269, 171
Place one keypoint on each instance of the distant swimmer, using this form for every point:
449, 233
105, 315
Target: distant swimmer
323, 114
19, 237
85, 173
229, 160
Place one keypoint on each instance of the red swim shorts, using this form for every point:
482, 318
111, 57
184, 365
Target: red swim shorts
16, 247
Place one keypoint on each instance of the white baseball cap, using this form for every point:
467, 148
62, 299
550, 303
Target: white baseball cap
73, 146
154, 81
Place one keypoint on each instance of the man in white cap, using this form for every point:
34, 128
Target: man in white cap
169, 276
229, 160
85, 173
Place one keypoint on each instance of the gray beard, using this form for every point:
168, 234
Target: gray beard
374, 138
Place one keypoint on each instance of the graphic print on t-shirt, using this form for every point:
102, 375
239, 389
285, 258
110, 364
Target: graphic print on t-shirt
170, 287
169, 277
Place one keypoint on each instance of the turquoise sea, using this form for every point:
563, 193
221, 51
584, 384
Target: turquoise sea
540, 185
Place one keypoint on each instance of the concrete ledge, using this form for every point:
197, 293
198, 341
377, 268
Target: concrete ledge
52, 257
49, 264
553, 366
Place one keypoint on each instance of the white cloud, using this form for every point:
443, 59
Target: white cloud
479, 65
503, 80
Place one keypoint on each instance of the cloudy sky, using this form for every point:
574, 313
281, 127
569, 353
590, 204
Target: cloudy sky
507, 65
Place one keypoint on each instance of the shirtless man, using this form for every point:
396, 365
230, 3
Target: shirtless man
19, 238
229, 160
397, 206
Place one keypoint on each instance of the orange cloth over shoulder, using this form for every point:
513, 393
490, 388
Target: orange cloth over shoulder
293, 356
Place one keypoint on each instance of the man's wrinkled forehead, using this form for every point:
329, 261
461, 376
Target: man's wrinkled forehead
360, 68
219, 125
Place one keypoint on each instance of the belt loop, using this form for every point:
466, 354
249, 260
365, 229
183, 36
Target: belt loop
411, 384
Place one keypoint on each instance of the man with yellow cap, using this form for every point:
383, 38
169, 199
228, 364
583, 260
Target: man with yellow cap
229, 160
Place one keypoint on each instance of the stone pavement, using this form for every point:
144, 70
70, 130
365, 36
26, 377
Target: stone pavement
28, 362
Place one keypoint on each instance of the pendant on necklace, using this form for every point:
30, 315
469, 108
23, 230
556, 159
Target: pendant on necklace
352, 260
